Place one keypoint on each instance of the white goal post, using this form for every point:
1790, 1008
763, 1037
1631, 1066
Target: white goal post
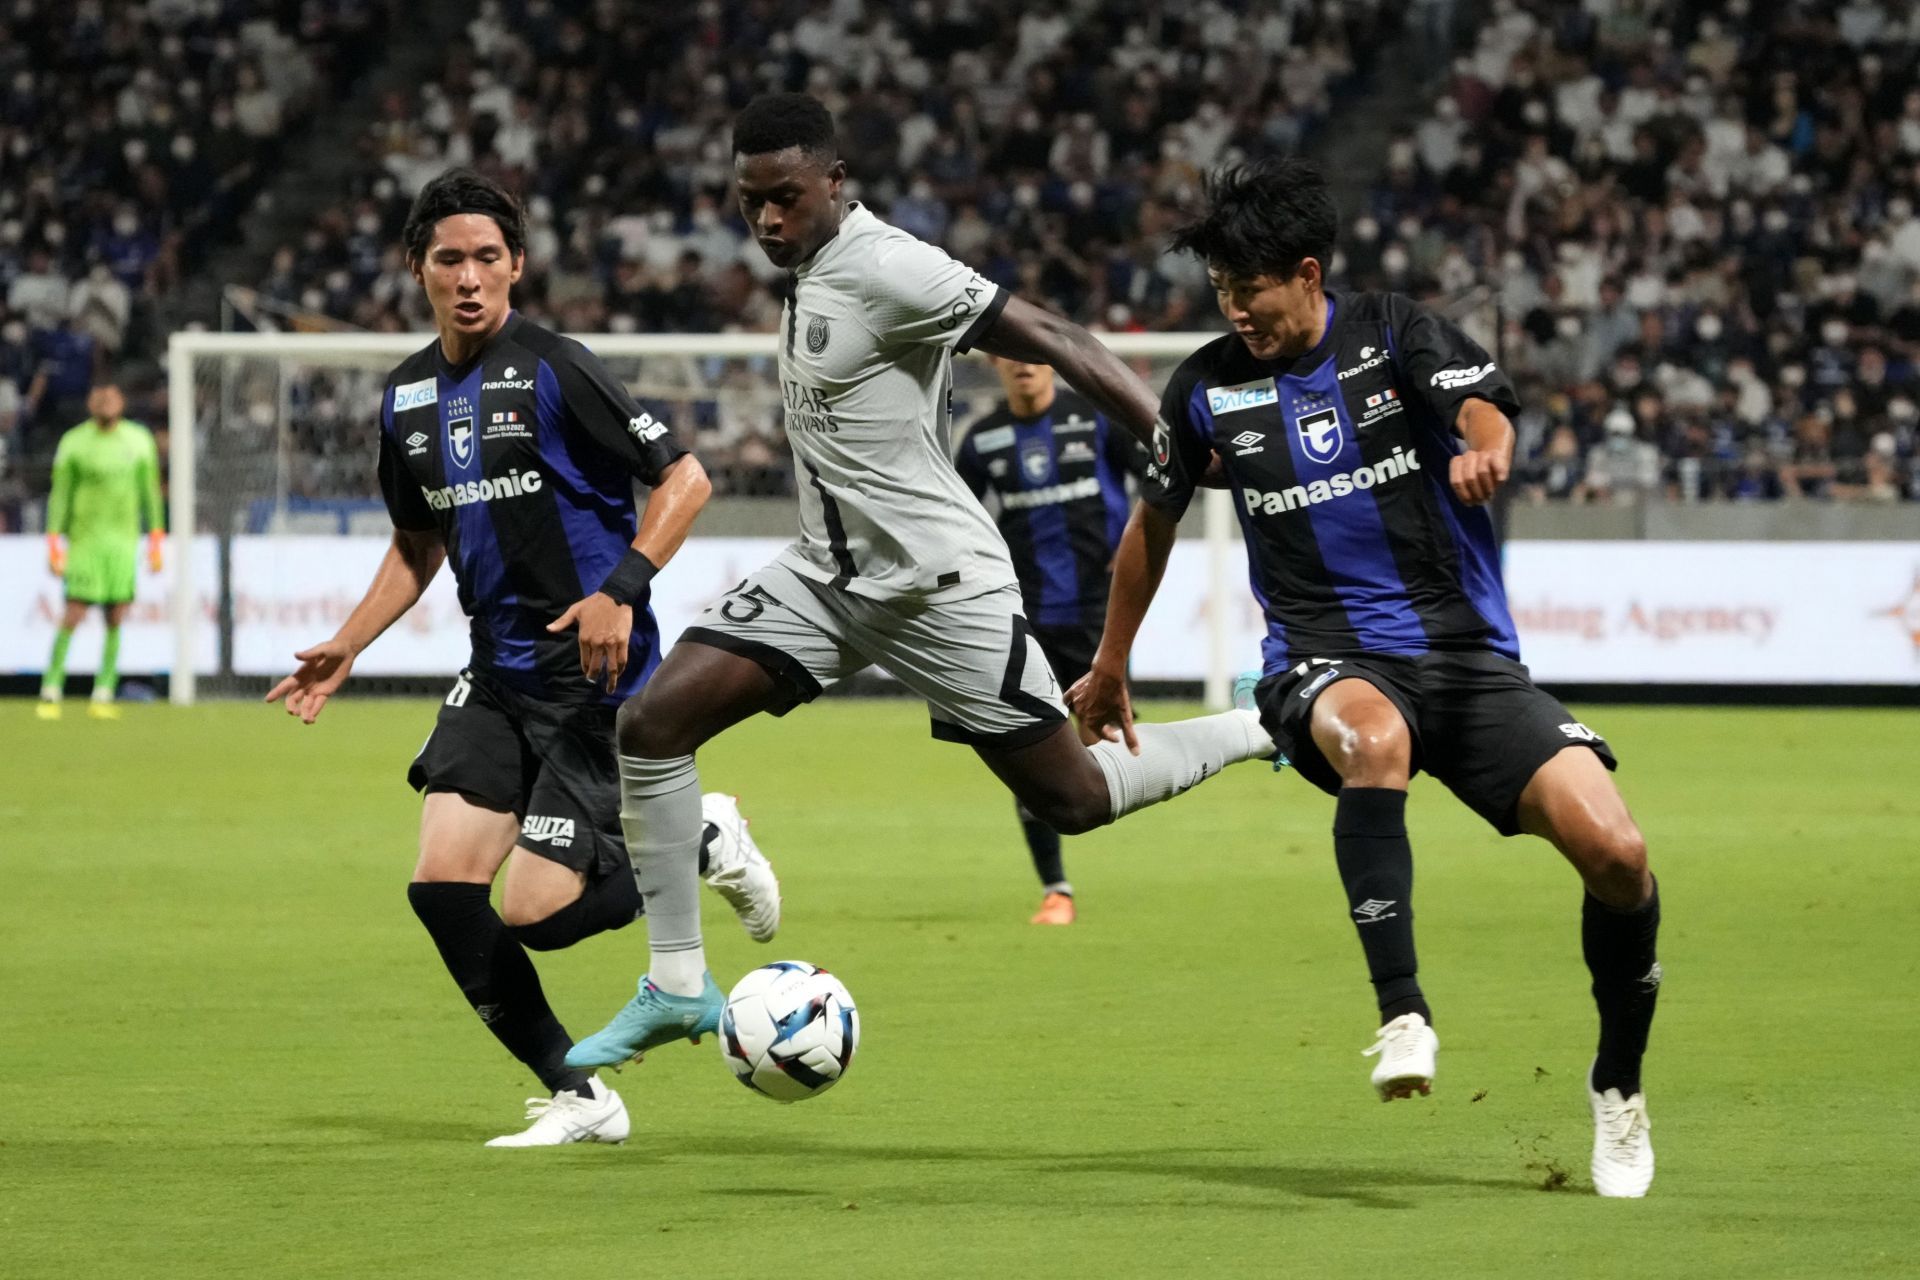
259, 423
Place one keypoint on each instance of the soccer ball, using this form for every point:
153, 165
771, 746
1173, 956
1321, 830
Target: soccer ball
789, 1030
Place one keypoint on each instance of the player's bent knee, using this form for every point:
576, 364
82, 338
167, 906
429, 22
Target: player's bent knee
553, 932
1377, 755
643, 730
1072, 815
1613, 860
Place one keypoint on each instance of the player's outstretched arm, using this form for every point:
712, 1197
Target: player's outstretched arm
1100, 697
605, 618
1027, 333
409, 565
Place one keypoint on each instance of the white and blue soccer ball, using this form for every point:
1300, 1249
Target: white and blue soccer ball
789, 1030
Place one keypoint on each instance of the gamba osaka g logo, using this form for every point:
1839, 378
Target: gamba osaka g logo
1320, 434
1036, 461
460, 433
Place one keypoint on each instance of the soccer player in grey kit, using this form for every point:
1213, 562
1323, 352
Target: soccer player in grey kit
896, 563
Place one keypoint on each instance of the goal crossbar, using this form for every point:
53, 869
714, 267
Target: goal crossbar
376, 351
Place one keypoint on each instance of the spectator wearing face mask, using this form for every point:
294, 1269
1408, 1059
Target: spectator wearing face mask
1811, 470
1622, 469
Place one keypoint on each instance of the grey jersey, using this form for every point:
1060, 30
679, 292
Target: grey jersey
866, 376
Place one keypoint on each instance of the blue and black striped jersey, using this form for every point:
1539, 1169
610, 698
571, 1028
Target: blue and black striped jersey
524, 460
1061, 482
1338, 465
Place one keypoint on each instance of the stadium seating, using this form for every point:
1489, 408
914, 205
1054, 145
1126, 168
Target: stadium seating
1694, 239
131, 134
1049, 148
1700, 232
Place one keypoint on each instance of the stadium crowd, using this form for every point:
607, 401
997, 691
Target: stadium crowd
1690, 229
1051, 147
1702, 226
133, 132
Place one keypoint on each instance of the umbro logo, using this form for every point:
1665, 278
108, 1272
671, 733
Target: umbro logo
1248, 442
1374, 910
417, 442
1651, 982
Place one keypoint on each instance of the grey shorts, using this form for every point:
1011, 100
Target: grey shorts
975, 661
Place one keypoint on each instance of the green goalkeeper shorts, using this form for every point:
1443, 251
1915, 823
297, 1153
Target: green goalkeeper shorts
101, 572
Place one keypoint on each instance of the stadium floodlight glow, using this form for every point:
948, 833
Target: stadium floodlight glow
241, 406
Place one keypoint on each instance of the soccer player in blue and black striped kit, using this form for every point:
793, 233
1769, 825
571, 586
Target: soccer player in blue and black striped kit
1362, 436
510, 452
1057, 470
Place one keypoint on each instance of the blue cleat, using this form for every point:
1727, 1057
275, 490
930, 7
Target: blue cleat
1243, 700
1243, 686
652, 1018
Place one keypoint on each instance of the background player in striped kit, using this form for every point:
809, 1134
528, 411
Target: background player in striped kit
1057, 471
1362, 436
106, 483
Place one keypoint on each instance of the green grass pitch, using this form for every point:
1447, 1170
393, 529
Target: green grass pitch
226, 1047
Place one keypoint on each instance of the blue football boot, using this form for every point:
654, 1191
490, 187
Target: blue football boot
1243, 687
652, 1018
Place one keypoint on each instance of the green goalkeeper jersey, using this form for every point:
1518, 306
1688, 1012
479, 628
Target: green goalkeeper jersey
106, 483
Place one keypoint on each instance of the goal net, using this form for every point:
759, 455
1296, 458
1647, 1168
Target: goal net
272, 440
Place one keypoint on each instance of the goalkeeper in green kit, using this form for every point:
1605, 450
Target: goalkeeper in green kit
106, 482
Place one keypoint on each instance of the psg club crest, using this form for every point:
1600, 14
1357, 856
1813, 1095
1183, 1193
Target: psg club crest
1036, 462
1319, 434
817, 335
460, 433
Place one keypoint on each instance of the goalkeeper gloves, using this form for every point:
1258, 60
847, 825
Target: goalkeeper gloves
56, 554
155, 541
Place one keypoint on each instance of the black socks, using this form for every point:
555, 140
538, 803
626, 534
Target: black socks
497, 978
611, 902
1044, 843
1376, 866
1619, 947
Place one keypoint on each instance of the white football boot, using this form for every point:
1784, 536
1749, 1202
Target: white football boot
1622, 1143
738, 871
1406, 1047
567, 1117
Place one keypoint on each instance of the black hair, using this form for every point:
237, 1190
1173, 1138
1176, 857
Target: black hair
776, 121
1262, 219
459, 191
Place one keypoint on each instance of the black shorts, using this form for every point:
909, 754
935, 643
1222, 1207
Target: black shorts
1477, 720
1069, 650
549, 764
